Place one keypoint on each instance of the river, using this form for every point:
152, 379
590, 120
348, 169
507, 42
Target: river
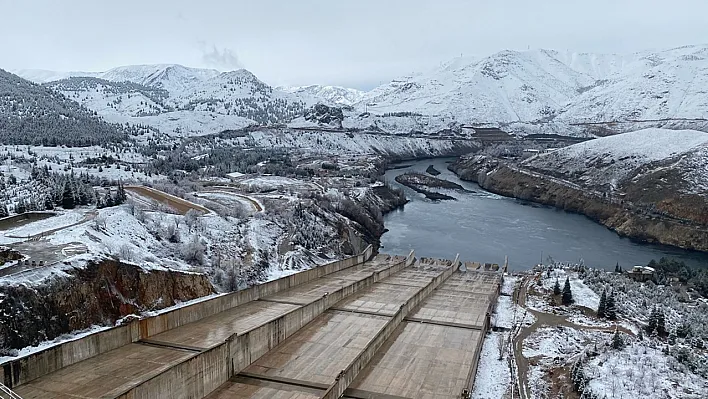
486, 227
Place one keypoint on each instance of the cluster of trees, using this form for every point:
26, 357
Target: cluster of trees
666, 310
607, 308
693, 277
657, 323
566, 293
219, 161
33, 114
68, 191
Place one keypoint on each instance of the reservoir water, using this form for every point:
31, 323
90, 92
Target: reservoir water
485, 227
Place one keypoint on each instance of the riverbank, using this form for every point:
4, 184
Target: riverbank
621, 217
486, 227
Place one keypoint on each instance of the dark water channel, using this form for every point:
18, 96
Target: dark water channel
485, 227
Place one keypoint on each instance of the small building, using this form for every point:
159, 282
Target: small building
641, 273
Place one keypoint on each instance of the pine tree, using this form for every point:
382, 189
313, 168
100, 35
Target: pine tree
617, 268
21, 206
640, 336
67, 199
661, 324
603, 303
617, 341
653, 318
3, 211
611, 309
48, 203
556, 288
567, 294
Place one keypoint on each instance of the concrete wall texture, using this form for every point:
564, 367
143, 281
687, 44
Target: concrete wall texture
27, 368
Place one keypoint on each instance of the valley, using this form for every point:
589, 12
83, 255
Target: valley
133, 196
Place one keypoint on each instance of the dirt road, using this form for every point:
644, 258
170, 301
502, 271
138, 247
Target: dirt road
543, 319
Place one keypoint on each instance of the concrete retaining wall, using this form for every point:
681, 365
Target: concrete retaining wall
347, 376
27, 368
202, 373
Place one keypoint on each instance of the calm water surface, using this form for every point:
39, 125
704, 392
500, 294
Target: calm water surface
485, 227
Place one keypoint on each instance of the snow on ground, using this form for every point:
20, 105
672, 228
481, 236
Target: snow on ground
642, 371
509, 284
40, 226
561, 342
493, 375
582, 294
506, 313
612, 159
268, 183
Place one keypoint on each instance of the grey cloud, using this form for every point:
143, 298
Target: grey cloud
224, 59
346, 42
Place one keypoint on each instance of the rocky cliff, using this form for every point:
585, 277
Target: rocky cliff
100, 293
627, 217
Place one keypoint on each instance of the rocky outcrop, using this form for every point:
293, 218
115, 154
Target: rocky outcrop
325, 115
100, 293
622, 217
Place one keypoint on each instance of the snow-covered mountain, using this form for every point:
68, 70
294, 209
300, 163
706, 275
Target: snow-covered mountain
333, 94
537, 89
32, 114
178, 100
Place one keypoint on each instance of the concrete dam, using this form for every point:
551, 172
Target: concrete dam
363, 327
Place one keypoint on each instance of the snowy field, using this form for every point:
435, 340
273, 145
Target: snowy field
641, 370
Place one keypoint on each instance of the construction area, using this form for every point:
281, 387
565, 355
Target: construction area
381, 327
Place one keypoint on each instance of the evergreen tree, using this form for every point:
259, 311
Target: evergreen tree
67, 199
617, 341
653, 319
640, 336
611, 309
3, 210
603, 303
556, 288
617, 268
567, 294
48, 203
21, 206
661, 324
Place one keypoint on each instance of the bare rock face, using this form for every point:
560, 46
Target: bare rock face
99, 294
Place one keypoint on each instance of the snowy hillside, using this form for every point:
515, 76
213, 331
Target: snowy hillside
32, 114
613, 159
333, 94
544, 91
536, 91
182, 101
505, 87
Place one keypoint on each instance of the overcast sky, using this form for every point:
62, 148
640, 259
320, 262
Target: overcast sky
358, 43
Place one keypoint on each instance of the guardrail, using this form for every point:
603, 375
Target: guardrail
6, 393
